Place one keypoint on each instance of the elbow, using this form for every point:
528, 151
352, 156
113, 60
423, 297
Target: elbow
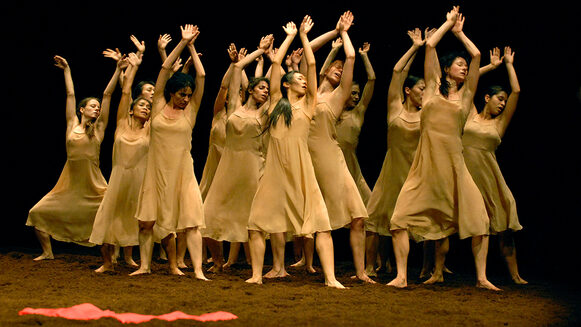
476, 54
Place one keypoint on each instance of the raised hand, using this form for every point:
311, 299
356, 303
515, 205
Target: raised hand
113, 54
163, 41
177, 65
189, 32
364, 48
346, 21
508, 55
139, 45
416, 36
459, 24
495, 58
290, 29
60, 62
296, 56
452, 15
337, 43
242, 53
134, 59
265, 42
307, 24
428, 32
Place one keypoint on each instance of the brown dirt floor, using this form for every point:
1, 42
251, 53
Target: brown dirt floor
299, 300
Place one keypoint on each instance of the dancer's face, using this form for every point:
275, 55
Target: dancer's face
334, 73
458, 70
141, 110
298, 84
91, 110
354, 96
260, 92
416, 93
495, 104
147, 91
182, 97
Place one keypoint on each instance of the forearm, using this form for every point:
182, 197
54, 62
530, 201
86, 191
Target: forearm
406, 59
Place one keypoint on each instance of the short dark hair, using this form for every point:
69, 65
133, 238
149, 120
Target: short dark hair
177, 82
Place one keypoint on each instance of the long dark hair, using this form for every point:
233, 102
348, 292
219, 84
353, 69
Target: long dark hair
283, 106
491, 91
446, 62
177, 82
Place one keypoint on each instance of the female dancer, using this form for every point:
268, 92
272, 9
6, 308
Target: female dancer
439, 197
350, 122
403, 135
170, 198
227, 206
482, 135
68, 211
115, 222
339, 190
288, 198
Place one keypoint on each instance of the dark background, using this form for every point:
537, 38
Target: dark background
539, 154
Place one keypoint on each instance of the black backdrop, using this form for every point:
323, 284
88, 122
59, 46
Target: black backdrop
538, 156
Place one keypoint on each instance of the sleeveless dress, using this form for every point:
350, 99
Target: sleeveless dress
170, 195
68, 211
288, 198
439, 197
227, 206
216, 146
403, 136
341, 195
348, 130
480, 140
115, 221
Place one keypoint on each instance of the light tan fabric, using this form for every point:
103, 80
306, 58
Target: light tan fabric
115, 221
68, 211
170, 195
341, 195
288, 198
227, 205
348, 130
439, 197
217, 140
403, 135
480, 141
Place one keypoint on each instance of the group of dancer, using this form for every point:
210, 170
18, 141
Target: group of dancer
282, 161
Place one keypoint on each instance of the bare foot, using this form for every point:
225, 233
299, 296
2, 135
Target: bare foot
487, 285
216, 268
176, 271
255, 280
227, 265
364, 278
434, 279
299, 263
140, 271
447, 271
276, 274
182, 265
104, 268
369, 271
311, 270
131, 263
200, 275
424, 273
44, 256
518, 280
335, 284
398, 282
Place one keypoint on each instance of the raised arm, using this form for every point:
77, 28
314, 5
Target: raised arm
367, 93
343, 91
321, 40
311, 96
395, 97
335, 47
432, 71
162, 43
200, 78
510, 106
275, 71
103, 119
471, 81
495, 61
134, 60
234, 100
188, 33
71, 103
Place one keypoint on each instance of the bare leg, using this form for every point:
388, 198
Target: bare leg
215, 248
232, 254
401, 249
441, 249
204, 250
428, 259
182, 247
371, 247
247, 253
169, 245
298, 247
115, 250
508, 249
257, 243
107, 254
277, 242
44, 240
326, 255
145, 247
480, 252
357, 240
309, 246
194, 243
128, 256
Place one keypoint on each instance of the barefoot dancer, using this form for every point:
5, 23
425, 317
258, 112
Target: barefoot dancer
115, 223
450, 200
288, 198
68, 211
482, 135
227, 205
170, 197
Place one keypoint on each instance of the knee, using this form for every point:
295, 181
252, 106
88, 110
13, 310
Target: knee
357, 224
146, 225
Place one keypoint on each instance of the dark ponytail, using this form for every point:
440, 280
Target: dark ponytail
283, 106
